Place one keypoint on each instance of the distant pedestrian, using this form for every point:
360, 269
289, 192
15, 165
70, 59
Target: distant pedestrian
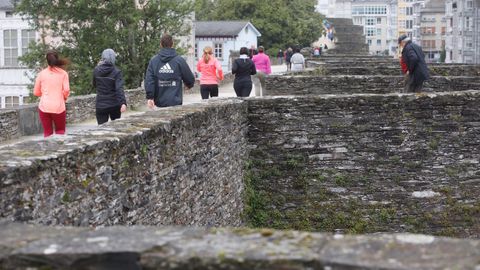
288, 57
316, 52
165, 73
211, 73
53, 87
108, 82
263, 66
280, 57
243, 67
298, 61
252, 52
414, 58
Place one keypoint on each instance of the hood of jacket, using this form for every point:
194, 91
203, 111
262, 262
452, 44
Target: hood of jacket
167, 54
104, 68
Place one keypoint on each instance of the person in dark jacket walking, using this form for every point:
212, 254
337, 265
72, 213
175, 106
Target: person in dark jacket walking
414, 58
108, 81
165, 73
243, 67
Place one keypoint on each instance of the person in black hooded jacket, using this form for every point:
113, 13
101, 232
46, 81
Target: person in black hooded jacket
243, 68
164, 76
108, 81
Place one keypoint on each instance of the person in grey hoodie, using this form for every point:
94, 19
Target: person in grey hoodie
108, 82
165, 73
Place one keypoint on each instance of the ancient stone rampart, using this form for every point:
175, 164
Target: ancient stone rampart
181, 165
367, 163
351, 84
167, 248
23, 120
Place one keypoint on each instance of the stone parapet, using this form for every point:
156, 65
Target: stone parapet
173, 166
24, 120
349, 84
135, 248
367, 163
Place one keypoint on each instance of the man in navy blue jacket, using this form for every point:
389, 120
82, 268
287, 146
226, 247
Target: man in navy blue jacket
414, 58
165, 73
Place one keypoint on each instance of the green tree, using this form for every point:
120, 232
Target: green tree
85, 28
281, 22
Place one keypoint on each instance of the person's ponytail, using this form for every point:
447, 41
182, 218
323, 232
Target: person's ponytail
54, 60
207, 51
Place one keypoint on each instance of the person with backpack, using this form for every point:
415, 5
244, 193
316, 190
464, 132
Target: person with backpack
243, 67
108, 82
211, 72
164, 76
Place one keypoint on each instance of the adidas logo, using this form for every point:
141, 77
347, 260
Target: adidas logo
166, 69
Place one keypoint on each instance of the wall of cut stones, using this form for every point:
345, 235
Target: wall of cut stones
181, 165
366, 163
24, 120
179, 248
278, 85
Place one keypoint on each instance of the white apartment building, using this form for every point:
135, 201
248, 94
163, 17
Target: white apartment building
462, 41
432, 29
378, 18
15, 36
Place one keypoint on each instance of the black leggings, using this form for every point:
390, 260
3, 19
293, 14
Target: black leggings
104, 114
209, 90
242, 88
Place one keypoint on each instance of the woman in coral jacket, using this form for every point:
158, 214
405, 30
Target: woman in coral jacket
211, 73
53, 88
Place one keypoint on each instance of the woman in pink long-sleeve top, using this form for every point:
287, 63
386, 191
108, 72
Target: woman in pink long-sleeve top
211, 73
264, 68
53, 88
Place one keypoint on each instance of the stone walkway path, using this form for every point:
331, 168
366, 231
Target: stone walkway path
224, 91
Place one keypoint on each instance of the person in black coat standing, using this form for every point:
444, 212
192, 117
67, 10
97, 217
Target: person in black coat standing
243, 67
414, 58
108, 81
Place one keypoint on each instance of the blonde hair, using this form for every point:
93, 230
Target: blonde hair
207, 51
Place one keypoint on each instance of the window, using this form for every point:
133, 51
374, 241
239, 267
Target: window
409, 24
219, 50
468, 23
357, 20
470, 4
409, 11
370, 32
454, 5
379, 31
11, 47
370, 21
11, 102
379, 20
8, 14
369, 42
28, 36
379, 42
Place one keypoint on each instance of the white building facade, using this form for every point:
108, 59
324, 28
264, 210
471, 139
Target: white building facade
462, 41
15, 36
378, 18
224, 37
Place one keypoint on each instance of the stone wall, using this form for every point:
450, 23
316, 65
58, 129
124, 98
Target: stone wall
24, 120
8, 124
135, 248
180, 165
366, 163
348, 84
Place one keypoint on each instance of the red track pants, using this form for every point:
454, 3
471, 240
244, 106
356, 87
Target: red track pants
48, 119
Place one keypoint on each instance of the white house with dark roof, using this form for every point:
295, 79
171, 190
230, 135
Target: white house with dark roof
223, 37
15, 36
